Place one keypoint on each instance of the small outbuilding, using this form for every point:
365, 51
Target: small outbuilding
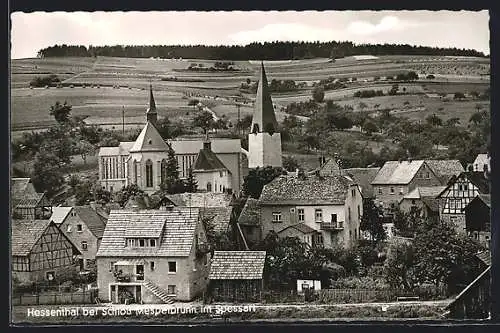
236, 276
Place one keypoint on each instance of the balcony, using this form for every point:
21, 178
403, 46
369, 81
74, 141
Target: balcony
332, 226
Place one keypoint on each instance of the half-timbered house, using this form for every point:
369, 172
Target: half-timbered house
458, 194
26, 203
41, 252
236, 276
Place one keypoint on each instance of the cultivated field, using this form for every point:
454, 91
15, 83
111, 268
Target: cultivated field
101, 101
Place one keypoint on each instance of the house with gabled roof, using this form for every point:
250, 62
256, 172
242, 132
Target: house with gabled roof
26, 202
210, 173
398, 178
85, 228
236, 276
363, 177
152, 256
300, 230
144, 161
458, 194
478, 219
423, 198
482, 163
249, 226
41, 252
330, 205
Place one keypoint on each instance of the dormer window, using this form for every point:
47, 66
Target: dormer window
152, 242
141, 243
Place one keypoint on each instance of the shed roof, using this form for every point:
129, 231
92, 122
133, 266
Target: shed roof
178, 233
286, 190
237, 265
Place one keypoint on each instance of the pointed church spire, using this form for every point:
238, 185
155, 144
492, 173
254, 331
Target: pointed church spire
151, 114
264, 119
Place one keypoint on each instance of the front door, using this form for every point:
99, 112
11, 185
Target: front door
139, 271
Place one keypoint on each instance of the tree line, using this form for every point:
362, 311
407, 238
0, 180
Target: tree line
277, 50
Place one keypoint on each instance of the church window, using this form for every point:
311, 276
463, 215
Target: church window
135, 172
150, 141
149, 173
209, 187
163, 171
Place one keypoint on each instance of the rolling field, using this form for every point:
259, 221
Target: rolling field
102, 106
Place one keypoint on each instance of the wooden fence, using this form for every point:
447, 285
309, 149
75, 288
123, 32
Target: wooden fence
79, 297
340, 296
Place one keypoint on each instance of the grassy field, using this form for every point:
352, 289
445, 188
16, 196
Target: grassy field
30, 107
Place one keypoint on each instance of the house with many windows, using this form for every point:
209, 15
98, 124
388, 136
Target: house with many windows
84, 227
153, 256
458, 194
41, 251
332, 206
398, 178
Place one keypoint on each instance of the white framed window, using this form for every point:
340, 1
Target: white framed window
84, 246
401, 190
171, 290
152, 265
112, 266
142, 243
334, 218
392, 190
318, 215
301, 214
79, 228
380, 190
172, 267
131, 242
277, 217
152, 242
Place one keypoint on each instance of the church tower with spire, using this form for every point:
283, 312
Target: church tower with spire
151, 114
264, 142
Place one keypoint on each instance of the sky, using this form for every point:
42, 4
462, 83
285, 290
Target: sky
31, 32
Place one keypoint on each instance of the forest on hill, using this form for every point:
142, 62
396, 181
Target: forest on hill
253, 51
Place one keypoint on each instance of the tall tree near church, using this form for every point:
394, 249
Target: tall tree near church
172, 183
191, 183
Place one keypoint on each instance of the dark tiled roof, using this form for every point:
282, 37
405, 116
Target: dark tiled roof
289, 190
200, 199
178, 233
445, 169
431, 203
237, 265
91, 220
19, 186
330, 168
250, 214
29, 200
25, 234
220, 215
300, 227
207, 161
363, 177
478, 179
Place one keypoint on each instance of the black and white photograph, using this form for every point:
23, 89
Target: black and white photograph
239, 167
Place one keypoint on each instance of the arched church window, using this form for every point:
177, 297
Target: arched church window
135, 171
149, 173
209, 187
163, 168
255, 128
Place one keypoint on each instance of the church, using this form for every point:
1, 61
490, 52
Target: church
219, 165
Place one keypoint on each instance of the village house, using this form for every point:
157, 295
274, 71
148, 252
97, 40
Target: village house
458, 194
84, 227
144, 161
482, 163
236, 276
330, 205
398, 178
41, 252
478, 219
363, 177
211, 174
153, 256
26, 203
424, 199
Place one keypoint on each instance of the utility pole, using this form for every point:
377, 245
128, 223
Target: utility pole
238, 123
123, 120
